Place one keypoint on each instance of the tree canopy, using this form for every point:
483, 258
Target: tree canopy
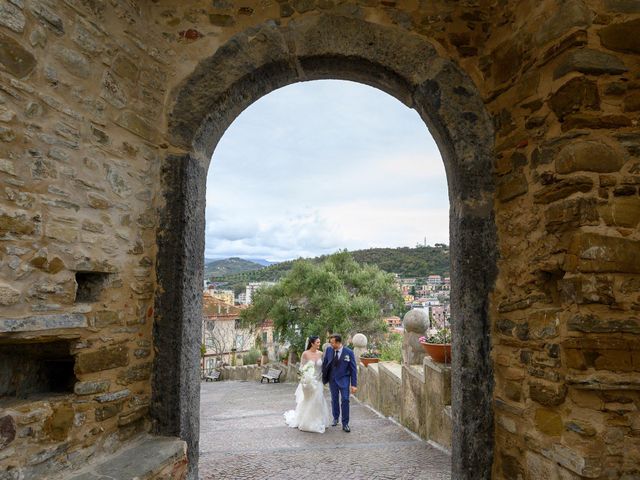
338, 295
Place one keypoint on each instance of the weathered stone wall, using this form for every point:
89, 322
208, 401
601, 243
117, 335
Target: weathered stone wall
562, 82
418, 397
88, 90
82, 87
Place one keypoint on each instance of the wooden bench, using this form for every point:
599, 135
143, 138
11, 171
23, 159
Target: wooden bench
272, 374
212, 377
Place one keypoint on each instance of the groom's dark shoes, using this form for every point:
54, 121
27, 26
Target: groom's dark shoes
346, 428
335, 422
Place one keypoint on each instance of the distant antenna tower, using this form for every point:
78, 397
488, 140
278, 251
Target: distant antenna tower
425, 241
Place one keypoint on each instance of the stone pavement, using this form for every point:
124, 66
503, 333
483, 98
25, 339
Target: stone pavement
243, 436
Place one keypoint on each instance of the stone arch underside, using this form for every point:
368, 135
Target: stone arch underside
260, 60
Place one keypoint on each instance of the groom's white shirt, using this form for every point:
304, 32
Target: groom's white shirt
339, 352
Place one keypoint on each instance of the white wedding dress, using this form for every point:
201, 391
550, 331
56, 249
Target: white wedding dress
312, 411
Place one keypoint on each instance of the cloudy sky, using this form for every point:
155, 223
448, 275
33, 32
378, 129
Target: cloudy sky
320, 166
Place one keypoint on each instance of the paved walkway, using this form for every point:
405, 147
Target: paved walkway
243, 436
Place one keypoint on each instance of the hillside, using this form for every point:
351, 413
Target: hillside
407, 262
229, 266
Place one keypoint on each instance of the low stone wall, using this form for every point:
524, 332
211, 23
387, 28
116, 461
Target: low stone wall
254, 372
419, 397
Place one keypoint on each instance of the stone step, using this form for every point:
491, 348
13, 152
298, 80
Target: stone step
149, 458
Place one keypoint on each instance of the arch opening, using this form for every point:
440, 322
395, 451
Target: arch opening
258, 61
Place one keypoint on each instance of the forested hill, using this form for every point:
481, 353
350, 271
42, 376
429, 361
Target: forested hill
407, 262
229, 266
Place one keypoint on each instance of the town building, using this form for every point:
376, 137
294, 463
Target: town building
225, 295
254, 287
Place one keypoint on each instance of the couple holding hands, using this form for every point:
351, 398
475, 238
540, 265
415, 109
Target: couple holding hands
337, 367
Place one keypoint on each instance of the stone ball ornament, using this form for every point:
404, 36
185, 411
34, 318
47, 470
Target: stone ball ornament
360, 340
416, 321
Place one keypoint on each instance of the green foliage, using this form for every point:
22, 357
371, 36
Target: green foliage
229, 266
391, 348
203, 349
337, 295
251, 357
407, 262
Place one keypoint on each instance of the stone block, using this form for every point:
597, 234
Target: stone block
60, 422
140, 372
592, 62
47, 16
11, 17
43, 322
512, 186
137, 125
583, 464
622, 6
107, 411
7, 431
112, 91
105, 358
132, 416
592, 252
569, 214
548, 394
220, 20
605, 353
14, 58
539, 467
570, 14
622, 37
562, 188
575, 95
8, 295
632, 102
113, 396
105, 318
587, 120
74, 62
511, 467
580, 427
549, 422
588, 156
98, 201
91, 387
506, 60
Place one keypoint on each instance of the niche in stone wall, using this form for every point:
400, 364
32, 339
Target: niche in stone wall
90, 285
28, 369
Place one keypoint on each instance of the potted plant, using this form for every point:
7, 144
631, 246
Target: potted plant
437, 344
369, 357
284, 357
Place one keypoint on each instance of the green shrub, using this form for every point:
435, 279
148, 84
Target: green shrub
251, 357
391, 348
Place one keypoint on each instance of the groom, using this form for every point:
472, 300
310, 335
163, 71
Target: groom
340, 372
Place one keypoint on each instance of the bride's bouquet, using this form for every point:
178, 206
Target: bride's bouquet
307, 377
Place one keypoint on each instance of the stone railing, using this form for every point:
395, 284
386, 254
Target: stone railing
417, 393
418, 397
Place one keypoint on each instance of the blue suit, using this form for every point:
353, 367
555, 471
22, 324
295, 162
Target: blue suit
340, 374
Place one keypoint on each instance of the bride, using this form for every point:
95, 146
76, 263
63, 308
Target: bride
312, 411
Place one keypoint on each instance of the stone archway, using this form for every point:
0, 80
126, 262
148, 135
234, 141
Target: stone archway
256, 62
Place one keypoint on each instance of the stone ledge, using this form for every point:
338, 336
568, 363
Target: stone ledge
43, 322
604, 381
144, 460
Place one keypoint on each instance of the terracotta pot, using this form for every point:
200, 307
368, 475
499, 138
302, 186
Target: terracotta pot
439, 352
367, 361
